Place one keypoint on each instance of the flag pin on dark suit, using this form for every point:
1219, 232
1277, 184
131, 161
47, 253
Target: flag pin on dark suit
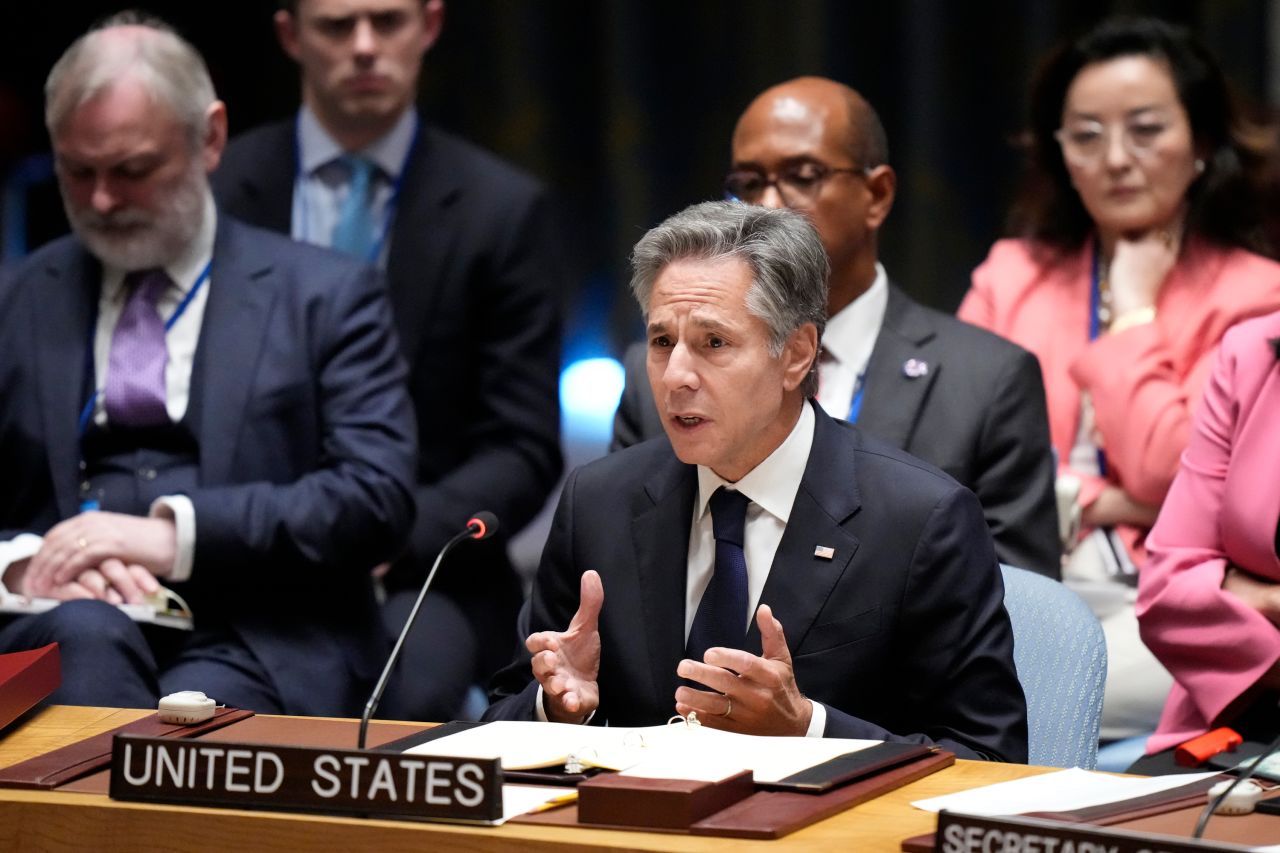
824, 552
914, 368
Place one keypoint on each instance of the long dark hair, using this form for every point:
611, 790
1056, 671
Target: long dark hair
1228, 204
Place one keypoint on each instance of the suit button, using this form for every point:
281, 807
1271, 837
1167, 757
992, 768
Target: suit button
146, 473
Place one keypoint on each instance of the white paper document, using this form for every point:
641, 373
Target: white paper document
157, 612
1055, 792
520, 799
675, 751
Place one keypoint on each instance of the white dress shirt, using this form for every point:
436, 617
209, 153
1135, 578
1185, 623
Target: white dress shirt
772, 487
322, 183
180, 343
847, 343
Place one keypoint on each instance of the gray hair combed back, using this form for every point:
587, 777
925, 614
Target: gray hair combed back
170, 69
789, 266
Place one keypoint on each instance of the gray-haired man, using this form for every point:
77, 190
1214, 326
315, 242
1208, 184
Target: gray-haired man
187, 398
764, 514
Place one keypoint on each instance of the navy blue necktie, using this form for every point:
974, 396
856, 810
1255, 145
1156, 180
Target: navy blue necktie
721, 619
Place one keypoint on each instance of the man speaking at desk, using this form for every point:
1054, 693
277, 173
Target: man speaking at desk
770, 568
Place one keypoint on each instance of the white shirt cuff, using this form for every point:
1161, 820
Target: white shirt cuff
22, 547
818, 722
179, 509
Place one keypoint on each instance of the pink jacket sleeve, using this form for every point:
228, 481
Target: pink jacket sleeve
1141, 407
1214, 644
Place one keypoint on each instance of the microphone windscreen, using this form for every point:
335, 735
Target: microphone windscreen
486, 522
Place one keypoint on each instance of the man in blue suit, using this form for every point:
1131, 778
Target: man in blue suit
770, 568
471, 259
188, 400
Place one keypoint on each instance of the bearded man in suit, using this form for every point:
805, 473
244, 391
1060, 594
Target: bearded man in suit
187, 399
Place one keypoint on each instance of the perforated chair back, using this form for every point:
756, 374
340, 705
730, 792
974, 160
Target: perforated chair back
1061, 656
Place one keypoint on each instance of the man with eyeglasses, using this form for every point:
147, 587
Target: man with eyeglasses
954, 395
472, 266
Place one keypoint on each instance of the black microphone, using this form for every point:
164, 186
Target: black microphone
1243, 775
482, 525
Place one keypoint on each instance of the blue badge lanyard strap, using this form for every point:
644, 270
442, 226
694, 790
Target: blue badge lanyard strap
1095, 302
388, 213
86, 414
855, 408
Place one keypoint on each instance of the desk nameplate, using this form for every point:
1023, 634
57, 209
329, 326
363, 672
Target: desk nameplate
961, 833
291, 778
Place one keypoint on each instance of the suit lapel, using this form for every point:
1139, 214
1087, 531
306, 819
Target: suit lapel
62, 325
893, 399
422, 237
231, 336
660, 537
800, 581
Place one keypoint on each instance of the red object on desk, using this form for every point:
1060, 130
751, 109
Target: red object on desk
1200, 749
26, 678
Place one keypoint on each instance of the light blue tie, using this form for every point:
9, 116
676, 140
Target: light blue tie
354, 232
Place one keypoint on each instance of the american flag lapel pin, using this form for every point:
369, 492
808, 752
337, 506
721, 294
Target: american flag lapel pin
824, 552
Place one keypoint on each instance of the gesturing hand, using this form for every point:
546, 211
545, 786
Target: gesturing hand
567, 663
760, 695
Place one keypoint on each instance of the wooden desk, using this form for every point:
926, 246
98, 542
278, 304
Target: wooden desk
39, 820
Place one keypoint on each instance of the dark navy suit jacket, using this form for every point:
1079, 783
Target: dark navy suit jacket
472, 271
305, 437
903, 634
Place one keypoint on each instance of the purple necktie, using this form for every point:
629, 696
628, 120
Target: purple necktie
135, 392
721, 619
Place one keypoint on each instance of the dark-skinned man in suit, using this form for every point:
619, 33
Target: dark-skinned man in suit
947, 392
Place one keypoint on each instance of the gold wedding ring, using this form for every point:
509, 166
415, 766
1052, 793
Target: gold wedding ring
728, 710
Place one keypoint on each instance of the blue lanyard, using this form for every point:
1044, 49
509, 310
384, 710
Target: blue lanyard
1095, 302
1095, 296
858, 387
86, 414
388, 214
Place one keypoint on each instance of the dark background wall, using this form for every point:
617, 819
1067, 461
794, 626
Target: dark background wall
625, 108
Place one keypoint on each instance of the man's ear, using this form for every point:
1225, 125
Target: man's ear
798, 355
882, 184
286, 33
215, 137
432, 22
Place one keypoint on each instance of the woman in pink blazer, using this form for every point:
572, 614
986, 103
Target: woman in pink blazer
1141, 224
1209, 596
